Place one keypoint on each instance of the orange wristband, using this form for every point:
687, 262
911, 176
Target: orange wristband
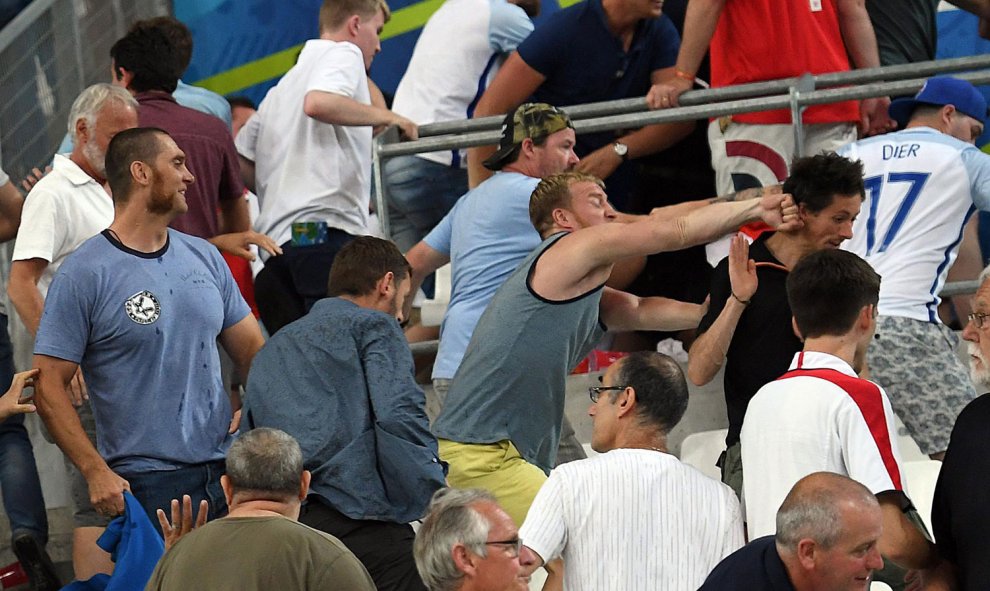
684, 75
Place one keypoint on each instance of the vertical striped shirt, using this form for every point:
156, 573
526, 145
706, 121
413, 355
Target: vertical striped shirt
633, 519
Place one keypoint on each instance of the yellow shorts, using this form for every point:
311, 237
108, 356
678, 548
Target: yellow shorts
495, 467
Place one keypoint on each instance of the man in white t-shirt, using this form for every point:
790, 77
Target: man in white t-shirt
634, 517
922, 185
446, 76
64, 209
307, 155
820, 416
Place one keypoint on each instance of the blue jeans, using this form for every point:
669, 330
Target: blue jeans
19, 482
156, 489
420, 193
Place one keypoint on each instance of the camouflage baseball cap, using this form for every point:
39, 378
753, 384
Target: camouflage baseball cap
528, 120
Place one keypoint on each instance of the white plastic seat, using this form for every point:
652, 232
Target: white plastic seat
920, 477
702, 450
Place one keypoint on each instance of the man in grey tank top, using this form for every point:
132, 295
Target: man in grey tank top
500, 426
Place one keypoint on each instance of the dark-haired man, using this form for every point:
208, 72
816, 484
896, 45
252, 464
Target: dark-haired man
820, 416
340, 380
748, 324
653, 499
140, 306
148, 62
264, 485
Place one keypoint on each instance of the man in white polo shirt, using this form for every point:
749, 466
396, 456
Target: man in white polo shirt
307, 155
820, 416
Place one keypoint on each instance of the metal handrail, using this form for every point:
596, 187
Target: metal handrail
633, 120
632, 113
727, 93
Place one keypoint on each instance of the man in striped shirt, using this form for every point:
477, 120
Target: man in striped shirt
634, 517
820, 416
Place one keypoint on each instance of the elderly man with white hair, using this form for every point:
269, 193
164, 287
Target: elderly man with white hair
960, 516
469, 543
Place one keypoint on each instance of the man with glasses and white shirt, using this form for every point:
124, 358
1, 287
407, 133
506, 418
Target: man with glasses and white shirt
665, 525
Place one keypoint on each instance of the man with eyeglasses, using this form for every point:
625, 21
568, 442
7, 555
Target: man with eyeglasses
960, 520
469, 543
922, 185
820, 416
652, 532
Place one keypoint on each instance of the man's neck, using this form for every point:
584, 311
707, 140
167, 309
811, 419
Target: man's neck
844, 347
140, 230
264, 508
77, 157
639, 439
620, 23
368, 301
788, 248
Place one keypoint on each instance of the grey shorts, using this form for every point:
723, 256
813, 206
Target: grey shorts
928, 385
84, 514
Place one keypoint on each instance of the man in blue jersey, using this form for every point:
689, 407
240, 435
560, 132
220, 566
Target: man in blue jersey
922, 185
141, 306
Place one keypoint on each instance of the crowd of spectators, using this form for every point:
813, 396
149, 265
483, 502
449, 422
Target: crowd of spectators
303, 441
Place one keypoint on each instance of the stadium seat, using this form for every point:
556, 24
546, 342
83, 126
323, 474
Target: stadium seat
433, 310
702, 450
920, 477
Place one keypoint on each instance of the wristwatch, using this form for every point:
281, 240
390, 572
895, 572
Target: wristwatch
621, 150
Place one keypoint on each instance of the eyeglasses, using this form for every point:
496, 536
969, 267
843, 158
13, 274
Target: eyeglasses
978, 319
595, 392
513, 546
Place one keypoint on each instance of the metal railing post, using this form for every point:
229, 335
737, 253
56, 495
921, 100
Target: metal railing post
804, 84
389, 136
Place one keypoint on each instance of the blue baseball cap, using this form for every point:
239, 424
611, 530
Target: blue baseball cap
939, 91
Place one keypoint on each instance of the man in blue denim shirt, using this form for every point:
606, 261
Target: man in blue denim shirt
340, 380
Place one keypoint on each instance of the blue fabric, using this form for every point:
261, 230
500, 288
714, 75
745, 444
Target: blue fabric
134, 545
486, 235
152, 369
203, 100
22, 500
754, 567
420, 193
596, 68
314, 379
508, 26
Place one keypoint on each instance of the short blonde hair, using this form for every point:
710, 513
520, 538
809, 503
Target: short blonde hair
554, 192
334, 13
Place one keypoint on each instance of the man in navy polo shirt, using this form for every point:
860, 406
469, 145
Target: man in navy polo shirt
624, 45
827, 532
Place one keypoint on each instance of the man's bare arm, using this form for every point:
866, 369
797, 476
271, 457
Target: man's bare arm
624, 311
337, 109
515, 81
24, 293
247, 172
424, 259
708, 352
241, 341
901, 541
11, 204
582, 260
700, 21
106, 488
861, 44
